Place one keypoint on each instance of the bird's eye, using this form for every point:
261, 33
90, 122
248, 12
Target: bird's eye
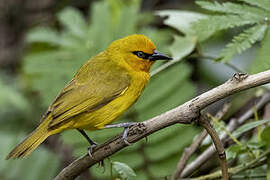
141, 54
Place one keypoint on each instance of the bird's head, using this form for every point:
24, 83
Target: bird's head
138, 51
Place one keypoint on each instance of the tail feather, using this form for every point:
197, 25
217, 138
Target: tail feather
29, 144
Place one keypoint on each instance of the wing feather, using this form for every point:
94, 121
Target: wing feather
96, 84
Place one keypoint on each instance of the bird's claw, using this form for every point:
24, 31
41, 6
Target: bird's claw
126, 142
90, 149
125, 134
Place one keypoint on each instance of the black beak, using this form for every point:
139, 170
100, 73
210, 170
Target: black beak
159, 56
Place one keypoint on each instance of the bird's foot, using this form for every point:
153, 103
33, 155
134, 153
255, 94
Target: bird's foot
91, 148
126, 127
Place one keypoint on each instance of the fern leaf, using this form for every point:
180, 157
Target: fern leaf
247, 11
243, 41
208, 26
264, 4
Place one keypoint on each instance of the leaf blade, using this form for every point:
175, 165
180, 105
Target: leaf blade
249, 12
264, 4
123, 170
206, 27
248, 126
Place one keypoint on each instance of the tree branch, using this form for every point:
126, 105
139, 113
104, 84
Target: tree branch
218, 144
184, 113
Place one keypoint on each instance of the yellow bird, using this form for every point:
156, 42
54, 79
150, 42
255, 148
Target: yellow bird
102, 89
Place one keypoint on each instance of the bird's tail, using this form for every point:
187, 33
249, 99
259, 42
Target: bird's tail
30, 143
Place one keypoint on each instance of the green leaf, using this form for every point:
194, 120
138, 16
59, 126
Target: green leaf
255, 145
248, 126
181, 20
123, 170
243, 41
249, 12
182, 46
264, 4
266, 135
44, 35
206, 27
234, 151
73, 21
262, 60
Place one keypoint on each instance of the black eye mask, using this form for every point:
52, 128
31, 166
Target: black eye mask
141, 54
152, 57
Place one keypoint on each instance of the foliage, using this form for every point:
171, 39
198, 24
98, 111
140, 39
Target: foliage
243, 41
123, 170
234, 15
248, 126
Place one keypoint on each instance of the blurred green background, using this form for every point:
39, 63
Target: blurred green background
43, 43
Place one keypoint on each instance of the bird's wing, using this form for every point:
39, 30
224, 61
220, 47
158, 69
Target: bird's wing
95, 85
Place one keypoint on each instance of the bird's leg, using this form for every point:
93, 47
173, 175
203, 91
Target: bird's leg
92, 143
126, 127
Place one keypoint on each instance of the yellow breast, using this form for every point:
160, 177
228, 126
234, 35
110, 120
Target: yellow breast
115, 108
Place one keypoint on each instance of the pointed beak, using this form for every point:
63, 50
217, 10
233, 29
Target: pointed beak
159, 56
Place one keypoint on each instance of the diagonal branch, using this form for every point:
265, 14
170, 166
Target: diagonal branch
184, 113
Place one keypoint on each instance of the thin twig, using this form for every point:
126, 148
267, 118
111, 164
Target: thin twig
218, 144
233, 124
230, 65
196, 144
184, 114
